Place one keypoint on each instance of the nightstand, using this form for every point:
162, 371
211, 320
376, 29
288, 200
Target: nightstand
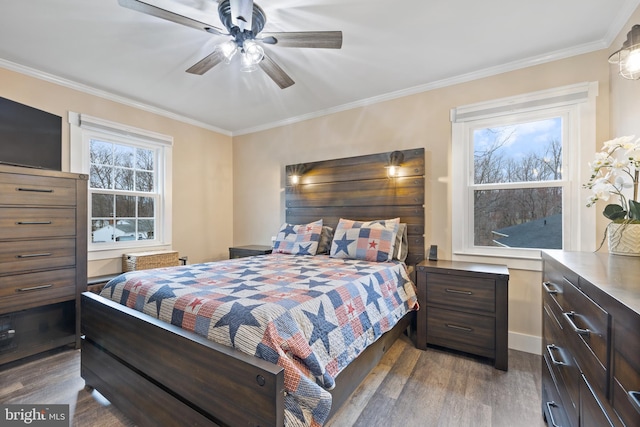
464, 306
249, 250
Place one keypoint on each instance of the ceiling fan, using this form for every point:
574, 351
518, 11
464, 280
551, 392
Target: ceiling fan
244, 21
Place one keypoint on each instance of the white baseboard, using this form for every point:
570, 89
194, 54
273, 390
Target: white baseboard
526, 343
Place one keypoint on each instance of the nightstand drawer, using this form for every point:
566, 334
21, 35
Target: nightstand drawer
461, 331
461, 292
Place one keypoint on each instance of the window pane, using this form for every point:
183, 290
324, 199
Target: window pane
530, 151
145, 207
125, 206
123, 179
101, 205
145, 229
101, 177
100, 152
123, 155
520, 218
120, 167
144, 159
144, 181
102, 231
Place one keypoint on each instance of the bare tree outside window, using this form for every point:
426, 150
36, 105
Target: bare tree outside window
510, 210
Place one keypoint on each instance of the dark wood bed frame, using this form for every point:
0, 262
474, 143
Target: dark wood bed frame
158, 374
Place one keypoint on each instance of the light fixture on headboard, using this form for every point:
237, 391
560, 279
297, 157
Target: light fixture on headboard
295, 173
628, 56
395, 160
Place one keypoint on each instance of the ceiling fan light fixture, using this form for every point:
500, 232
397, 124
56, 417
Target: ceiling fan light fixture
244, 21
252, 54
229, 49
628, 56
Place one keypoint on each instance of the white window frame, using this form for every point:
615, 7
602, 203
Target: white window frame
576, 105
83, 128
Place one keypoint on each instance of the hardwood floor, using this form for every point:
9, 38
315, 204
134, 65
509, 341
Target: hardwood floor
409, 387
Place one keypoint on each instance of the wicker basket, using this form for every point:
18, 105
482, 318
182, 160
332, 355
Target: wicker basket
147, 260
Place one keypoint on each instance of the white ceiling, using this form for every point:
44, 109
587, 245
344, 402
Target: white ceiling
390, 49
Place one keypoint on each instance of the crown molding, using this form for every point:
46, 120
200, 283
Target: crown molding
617, 26
463, 78
41, 75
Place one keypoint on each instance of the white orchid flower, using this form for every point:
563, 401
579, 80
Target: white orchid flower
602, 189
614, 171
616, 143
620, 183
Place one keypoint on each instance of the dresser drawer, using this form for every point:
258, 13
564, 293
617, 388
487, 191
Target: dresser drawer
461, 292
29, 223
556, 280
461, 331
595, 410
560, 359
553, 407
588, 326
626, 368
33, 289
16, 189
25, 255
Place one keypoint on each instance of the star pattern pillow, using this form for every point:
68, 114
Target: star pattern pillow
369, 241
299, 239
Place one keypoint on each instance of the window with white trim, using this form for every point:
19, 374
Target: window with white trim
129, 184
517, 173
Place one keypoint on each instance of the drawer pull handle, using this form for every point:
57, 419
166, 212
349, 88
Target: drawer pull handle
7, 335
34, 190
549, 405
455, 291
569, 316
550, 349
547, 287
635, 402
33, 288
460, 328
34, 255
34, 222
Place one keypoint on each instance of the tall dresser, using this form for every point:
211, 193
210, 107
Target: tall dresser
591, 339
43, 259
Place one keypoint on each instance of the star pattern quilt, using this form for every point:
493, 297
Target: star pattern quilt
312, 315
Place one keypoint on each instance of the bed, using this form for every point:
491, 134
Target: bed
161, 374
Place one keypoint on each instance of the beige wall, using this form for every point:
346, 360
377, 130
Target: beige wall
202, 175
420, 120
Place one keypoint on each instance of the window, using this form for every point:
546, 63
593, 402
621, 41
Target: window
123, 192
519, 188
129, 185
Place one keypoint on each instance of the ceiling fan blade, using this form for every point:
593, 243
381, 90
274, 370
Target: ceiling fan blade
276, 73
152, 10
315, 39
242, 13
206, 63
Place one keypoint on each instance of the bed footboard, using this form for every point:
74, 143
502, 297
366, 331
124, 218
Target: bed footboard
159, 374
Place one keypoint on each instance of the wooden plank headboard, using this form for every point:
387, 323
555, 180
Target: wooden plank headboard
358, 188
